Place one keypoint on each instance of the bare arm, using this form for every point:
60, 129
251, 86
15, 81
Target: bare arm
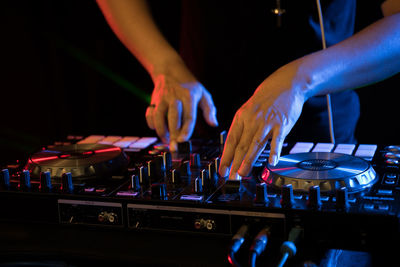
177, 93
369, 56
132, 22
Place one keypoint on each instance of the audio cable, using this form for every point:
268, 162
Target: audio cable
236, 243
328, 96
259, 244
288, 248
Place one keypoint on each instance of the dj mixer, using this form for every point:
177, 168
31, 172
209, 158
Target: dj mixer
111, 188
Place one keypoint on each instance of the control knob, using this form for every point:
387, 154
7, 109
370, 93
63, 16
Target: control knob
45, 181
67, 185
287, 199
25, 180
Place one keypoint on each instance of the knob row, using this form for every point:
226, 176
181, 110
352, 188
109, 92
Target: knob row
25, 184
314, 197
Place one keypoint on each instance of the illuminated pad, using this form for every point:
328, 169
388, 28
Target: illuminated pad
109, 140
323, 147
92, 139
301, 147
345, 149
126, 141
366, 151
143, 142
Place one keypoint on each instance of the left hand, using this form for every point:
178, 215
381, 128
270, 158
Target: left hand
271, 112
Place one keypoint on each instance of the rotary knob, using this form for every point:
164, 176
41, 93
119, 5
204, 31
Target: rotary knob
135, 183
184, 169
143, 176
5, 179
287, 199
45, 181
342, 201
185, 147
195, 160
314, 197
25, 180
198, 186
261, 194
156, 169
167, 160
67, 185
175, 177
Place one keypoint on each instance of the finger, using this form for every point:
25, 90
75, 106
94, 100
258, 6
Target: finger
189, 119
149, 117
160, 121
174, 122
241, 151
276, 145
257, 145
231, 142
209, 111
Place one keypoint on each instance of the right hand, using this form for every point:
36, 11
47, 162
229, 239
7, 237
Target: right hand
173, 108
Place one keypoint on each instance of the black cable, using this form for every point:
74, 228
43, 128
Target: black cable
259, 244
236, 243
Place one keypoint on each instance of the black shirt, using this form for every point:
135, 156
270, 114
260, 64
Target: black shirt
232, 46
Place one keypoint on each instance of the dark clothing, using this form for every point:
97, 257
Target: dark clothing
232, 46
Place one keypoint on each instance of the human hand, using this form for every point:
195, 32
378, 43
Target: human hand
173, 108
271, 112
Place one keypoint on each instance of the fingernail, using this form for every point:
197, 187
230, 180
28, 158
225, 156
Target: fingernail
274, 160
235, 176
224, 171
173, 146
214, 121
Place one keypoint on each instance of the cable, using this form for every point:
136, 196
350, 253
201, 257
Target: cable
288, 248
236, 243
328, 96
258, 246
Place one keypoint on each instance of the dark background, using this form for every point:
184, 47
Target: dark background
64, 72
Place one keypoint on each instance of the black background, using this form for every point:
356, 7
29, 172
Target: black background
52, 85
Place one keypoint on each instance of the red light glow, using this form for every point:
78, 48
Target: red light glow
44, 159
107, 150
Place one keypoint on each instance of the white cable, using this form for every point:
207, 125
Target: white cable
328, 97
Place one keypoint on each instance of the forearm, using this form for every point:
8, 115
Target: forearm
369, 56
133, 24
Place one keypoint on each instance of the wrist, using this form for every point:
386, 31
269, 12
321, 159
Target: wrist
306, 82
172, 66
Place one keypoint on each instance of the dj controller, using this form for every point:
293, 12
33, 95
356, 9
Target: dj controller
92, 192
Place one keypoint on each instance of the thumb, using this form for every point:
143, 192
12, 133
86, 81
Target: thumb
207, 106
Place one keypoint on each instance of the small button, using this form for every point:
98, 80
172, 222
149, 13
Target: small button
391, 155
392, 161
395, 149
369, 206
352, 200
154, 152
324, 198
383, 207
391, 175
385, 192
100, 190
390, 181
262, 159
